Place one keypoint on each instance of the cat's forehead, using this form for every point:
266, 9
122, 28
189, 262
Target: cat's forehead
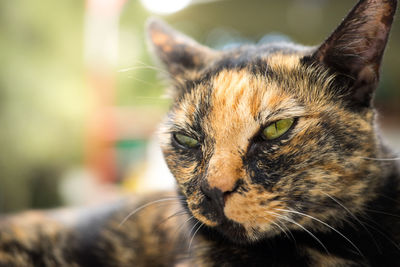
241, 104
275, 83
248, 94
236, 102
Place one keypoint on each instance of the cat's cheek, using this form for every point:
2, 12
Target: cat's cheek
182, 170
202, 218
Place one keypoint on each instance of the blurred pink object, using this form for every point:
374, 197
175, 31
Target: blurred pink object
101, 52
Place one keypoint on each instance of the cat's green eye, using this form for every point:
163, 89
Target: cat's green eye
186, 141
277, 129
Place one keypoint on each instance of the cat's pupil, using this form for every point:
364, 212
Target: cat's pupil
277, 129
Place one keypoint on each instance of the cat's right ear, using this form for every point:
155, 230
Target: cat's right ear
180, 54
355, 49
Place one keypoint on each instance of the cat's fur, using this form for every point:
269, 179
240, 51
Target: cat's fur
319, 195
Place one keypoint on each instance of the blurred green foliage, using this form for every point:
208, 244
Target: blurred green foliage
44, 97
41, 96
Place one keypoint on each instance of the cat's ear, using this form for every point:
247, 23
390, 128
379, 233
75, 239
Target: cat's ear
180, 54
355, 49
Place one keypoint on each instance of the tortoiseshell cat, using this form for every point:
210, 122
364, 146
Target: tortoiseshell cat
276, 156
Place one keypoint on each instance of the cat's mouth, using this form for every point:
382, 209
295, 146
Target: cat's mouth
235, 219
230, 230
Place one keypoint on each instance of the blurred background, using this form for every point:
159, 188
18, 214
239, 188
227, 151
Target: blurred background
80, 98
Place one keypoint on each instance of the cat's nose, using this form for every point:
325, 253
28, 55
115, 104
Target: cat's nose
215, 194
214, 200
224, 170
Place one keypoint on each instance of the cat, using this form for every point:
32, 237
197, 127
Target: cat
276, 155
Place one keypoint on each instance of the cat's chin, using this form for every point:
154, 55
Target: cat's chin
235, 233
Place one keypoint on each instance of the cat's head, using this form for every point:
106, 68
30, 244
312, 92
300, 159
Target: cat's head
264, 138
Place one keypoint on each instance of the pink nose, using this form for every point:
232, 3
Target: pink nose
224, 170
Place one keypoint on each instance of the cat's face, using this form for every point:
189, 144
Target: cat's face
263, 139
317, 157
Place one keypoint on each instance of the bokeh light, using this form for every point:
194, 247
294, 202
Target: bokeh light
164, 6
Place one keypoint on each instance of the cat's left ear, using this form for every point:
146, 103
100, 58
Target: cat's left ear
355, 49
180, 54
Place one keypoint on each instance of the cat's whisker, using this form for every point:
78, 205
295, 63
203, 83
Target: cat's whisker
356, 218
190, 232
288, 230
380, 232
381, 159
277, 225
191, 240
327, 225
177, 230
281, 228
141, 67
383, 212
160, 69
176, 80
151, 98
390, 198
147, 205
144, 66
178, 213
139, 80
302, 227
